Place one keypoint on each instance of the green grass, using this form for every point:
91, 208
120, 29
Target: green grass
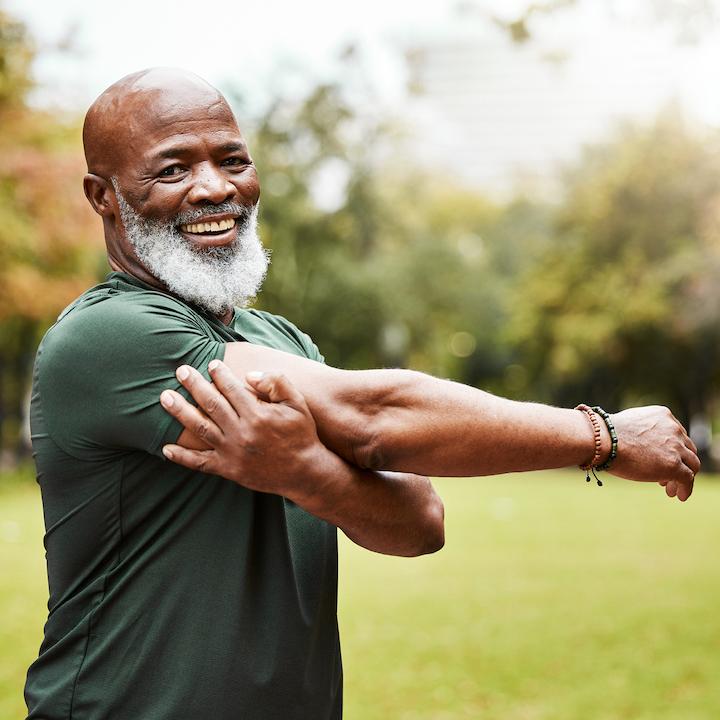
552, 600
23, 588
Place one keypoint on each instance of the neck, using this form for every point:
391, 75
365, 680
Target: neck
136, 270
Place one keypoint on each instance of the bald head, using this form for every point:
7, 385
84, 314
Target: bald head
141, 104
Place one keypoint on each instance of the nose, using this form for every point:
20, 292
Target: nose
210, 185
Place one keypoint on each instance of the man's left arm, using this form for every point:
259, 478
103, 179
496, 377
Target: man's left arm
387, 512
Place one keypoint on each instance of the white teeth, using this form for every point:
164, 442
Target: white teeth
200, 228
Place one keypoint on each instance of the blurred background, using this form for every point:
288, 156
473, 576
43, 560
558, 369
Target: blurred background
521, 196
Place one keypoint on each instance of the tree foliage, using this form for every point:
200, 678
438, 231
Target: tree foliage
49, 249
624, 303
611, 295
405, 269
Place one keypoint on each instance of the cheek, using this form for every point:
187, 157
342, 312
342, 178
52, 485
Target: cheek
248, 187
161, 201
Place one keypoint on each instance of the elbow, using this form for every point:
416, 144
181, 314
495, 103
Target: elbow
368, 451
380, 424
435, 536
370, 445
430, 536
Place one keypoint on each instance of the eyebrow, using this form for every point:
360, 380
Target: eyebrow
179, 150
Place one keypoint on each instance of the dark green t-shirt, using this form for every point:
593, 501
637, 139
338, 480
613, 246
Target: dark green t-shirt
173, 594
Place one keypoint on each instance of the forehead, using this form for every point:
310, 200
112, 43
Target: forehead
160, 121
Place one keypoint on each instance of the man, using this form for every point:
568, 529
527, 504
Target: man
177, 593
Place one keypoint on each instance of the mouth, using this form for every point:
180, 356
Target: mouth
211, 231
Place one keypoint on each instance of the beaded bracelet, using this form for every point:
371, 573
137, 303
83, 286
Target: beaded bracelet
595, 460
613, 438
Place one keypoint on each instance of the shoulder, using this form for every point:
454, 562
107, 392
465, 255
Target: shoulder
104, 329
102, 304
287, 331
281, 324
108, 316
101, 368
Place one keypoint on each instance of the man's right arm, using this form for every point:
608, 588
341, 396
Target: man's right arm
411, 422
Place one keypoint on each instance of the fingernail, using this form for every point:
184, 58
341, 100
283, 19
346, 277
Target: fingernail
167, 399
182, 373
255, 375
213, 365
167, 453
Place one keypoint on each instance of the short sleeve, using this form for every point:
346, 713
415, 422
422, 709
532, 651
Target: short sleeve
101, 370
310, 348
277, 331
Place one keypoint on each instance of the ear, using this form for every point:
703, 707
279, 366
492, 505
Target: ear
100, 194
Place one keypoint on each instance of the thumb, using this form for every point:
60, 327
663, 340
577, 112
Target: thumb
275, 387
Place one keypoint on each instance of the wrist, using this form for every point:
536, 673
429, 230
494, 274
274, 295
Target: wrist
601, 451
595, 452
318, 469
609, 426
605, 443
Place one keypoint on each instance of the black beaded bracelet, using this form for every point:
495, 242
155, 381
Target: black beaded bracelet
613, 438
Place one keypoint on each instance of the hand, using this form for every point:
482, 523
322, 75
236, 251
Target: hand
654, 447
260, 435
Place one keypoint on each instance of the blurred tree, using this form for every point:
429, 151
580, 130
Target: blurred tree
624, 304
47, 251
603, 297
381, 263
15, 57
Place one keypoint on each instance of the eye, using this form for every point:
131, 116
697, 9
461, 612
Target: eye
171, 171
236, 162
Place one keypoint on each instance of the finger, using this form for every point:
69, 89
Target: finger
692, 461
690, 444
276, 387
671, 488
684, 491
207, 396
687, 440
663, 482
685, 485
200, 460
686, 436
190, 417
228, 383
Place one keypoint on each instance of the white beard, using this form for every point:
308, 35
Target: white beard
216, 278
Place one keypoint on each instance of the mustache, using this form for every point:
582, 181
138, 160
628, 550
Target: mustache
243, 212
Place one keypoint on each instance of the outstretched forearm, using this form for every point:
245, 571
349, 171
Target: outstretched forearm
416, 422
412, 422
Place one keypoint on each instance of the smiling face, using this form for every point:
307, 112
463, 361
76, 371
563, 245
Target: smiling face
185, 159
166, 160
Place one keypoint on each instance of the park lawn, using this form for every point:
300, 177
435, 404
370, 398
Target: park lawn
23, 588
552, 600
